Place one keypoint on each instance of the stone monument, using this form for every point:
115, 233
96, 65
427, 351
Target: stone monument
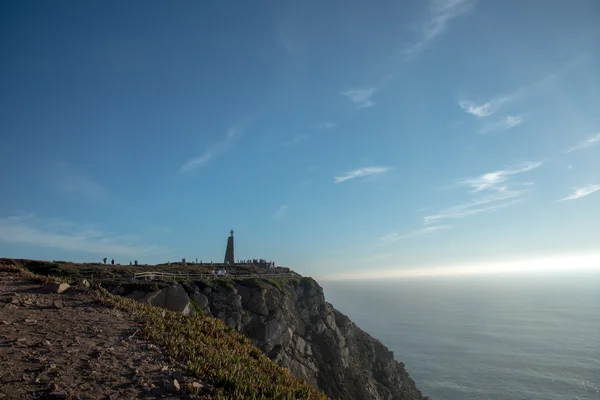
229, 256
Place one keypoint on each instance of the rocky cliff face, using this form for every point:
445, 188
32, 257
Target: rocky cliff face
291, 322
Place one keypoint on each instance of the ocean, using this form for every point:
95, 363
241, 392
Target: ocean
522, 337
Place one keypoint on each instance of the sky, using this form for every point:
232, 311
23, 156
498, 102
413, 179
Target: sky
352, 139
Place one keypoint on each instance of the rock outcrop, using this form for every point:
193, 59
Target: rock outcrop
172, 298
290, 321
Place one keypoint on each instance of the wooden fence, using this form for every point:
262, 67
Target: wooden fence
186, 276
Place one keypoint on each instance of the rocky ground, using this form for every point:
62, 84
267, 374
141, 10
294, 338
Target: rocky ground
71, 346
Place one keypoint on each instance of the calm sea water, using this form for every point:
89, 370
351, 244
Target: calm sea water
497, 338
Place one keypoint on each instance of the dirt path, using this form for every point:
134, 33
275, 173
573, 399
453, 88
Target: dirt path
70, 346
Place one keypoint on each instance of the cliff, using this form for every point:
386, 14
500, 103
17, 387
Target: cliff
290, 321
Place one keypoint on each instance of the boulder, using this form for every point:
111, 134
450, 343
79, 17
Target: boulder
84, 283
137, 295
55, 287
118, 291
172, 298
202, 301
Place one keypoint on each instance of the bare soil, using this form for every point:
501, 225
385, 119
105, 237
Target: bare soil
72, 346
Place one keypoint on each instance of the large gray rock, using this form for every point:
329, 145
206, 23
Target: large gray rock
202, 301
118, 291
172, 298
137, 295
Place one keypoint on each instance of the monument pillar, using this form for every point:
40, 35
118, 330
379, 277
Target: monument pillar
229, 254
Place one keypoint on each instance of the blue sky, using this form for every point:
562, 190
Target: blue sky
341, 138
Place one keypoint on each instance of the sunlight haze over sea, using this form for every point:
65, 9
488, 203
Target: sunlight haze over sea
505, 337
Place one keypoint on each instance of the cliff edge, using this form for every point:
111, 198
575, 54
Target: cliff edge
290, 321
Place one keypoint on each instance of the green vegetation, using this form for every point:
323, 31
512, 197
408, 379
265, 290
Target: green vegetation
214, 352
215, 283
14, 266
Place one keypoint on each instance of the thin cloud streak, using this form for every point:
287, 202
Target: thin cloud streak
441, 13
492, 180
498, 183
485, 109
590, 141
496, 103
471, 209
212, 152
394, 237
360, 173
504, 124
24, 231
361, 97
582, 191
68, 179
294, 140
281, 212
326, 125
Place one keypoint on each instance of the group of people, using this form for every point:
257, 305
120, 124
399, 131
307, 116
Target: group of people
112, 262
261, 262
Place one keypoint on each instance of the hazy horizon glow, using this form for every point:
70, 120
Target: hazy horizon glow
557, 263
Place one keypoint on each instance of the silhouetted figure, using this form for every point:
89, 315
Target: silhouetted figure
183, 261
104, 259
130, 263
112, 261
136, 263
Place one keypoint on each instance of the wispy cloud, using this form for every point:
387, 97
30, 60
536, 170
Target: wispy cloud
501, 186
590, 141
360, 173
582, 191
440, 14
326, 125
485, 109
85, 187
474, 208
72, 181
504, 124
281, 212
213, 151
394, 236
494, 104
32, 231
361, 97
294, 140
493, 180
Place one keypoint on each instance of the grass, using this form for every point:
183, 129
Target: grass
213, 352
14, 266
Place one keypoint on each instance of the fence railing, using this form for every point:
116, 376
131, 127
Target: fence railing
184, 276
